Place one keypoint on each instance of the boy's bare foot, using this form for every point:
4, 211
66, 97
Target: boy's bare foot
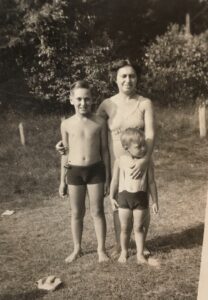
141, 260
116, 252
153, 262
123, 258
73, 256
102, 257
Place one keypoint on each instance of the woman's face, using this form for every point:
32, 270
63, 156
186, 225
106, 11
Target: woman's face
126, 80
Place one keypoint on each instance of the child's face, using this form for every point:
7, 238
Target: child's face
137, 149
81, 98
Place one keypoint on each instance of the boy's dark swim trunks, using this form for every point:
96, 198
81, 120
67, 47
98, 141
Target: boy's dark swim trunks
138, 200
82, 175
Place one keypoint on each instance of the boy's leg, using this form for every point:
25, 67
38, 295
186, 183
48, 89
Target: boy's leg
96, 197
139, 220
125, 217
77, 201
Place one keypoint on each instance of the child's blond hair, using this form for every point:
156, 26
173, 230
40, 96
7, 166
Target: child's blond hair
130, 135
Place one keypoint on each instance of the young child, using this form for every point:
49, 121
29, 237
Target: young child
132, 200
85, 167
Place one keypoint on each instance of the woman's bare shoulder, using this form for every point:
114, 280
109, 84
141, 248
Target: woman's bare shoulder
106, 102
145, 102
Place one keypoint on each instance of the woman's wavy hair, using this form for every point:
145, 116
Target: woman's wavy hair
118, 64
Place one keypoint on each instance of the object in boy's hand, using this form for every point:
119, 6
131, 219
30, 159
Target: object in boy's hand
49, 283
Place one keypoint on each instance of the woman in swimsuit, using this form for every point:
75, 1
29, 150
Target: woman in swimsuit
123, 110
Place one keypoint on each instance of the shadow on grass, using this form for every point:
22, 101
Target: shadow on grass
32, 295
187, 239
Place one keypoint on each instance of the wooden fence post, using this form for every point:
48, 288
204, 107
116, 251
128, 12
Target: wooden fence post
203, 284
22, 136
202, 119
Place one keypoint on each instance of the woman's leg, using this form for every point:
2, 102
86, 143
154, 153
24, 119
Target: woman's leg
77, 195
146, 228
117, 229
96, 197
125, 217
139, 219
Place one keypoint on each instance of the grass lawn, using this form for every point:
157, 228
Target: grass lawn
35, 240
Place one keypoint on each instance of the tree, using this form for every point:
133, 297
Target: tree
176, 69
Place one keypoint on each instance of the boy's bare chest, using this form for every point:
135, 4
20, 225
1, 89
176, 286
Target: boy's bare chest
85, 131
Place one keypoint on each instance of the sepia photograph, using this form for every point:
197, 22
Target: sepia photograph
103, 149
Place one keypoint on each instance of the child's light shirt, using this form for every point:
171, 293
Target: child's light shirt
126, 182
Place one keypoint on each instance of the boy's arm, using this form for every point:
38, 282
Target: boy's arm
114, 185
152, 187
105, 155
64, 157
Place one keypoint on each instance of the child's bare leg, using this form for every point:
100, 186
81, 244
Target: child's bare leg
96, 197
125, 217
139, 217
77, 200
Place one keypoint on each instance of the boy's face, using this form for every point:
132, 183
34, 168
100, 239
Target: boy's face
137, 149
81, 98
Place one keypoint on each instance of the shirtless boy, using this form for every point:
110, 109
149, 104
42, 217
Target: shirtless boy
85, 167
133, 200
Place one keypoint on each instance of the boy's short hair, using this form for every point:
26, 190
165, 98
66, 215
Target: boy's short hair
80, 84
130, 135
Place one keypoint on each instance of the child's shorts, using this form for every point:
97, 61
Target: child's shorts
138, 200
82, 175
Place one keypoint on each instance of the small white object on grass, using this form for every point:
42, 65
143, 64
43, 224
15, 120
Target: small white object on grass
49, 283
8, 213
22, 135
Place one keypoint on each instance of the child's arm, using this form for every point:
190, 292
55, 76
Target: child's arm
105, 156
114, 185
152, 187
63, 185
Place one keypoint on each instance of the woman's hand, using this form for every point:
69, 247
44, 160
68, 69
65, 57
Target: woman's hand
139, 168
114, 204
60, 148
107, 188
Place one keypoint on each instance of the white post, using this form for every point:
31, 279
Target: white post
22, 136
203, 277
202, 120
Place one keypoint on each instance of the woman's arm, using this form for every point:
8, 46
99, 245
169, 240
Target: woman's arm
149, 128
101, 111
152, 188
149, 125
114, 185
105, 155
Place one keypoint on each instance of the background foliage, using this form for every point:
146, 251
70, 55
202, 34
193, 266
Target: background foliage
55, 42
176, 67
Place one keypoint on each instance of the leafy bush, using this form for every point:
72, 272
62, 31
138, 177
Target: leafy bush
60, 48
175, 69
